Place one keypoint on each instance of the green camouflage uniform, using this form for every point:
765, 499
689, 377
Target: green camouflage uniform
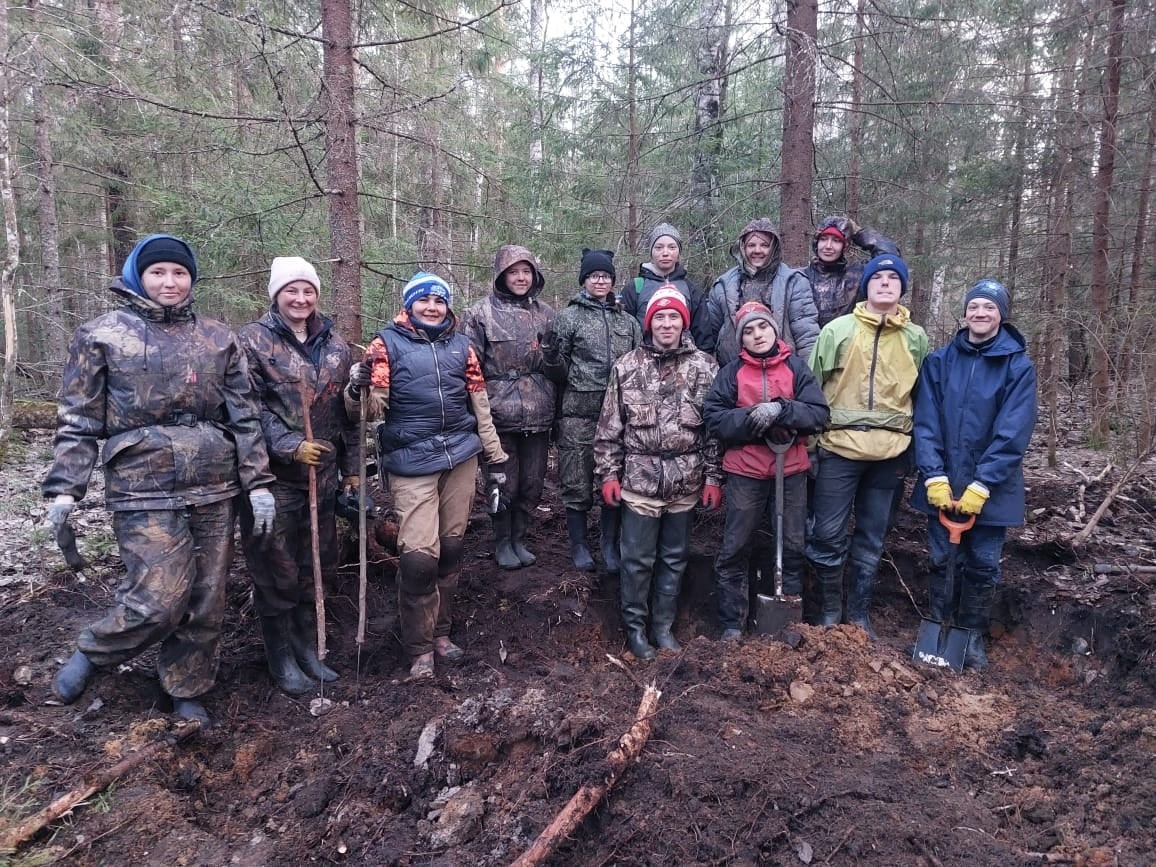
281, 562
169, 392
589, 337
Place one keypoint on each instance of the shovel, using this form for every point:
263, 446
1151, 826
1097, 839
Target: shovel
934, 646
773, 613
66, 539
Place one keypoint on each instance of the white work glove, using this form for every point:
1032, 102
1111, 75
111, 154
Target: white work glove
763, 416
264, 511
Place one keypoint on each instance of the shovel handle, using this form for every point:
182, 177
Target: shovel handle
955, 529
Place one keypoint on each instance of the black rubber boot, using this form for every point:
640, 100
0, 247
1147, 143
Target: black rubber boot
279, 652
609, 525
859, 601
72, 678
192, 710
504, 553
664, 610
634, 599
829, 585
579, 549
303, 639
975, 603
518, 523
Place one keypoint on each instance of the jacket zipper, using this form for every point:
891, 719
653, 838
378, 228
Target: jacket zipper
441, 399
874, 361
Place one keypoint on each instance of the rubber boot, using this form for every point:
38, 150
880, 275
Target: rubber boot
609, 525
192, 710
579, 549
518, 523
504, 553
940, 604
662, 615
829, 587
303, 638
279, 652
859, 601
975, 603
72, 678
634, 597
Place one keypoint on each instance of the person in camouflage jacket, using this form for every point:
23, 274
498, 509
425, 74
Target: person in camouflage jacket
589, 334
169, 393
298, 364
656, 461
506, 330
834, 280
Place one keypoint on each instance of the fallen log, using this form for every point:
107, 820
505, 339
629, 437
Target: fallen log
1078, 540
586, 798
14, 837
1123, 569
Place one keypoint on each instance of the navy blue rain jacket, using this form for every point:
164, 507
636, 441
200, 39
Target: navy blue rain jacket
975, 410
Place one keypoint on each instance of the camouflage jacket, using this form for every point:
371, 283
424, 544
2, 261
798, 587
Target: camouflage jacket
652, 436
589, 337
170, 392
279, 365
835, 285
506, 332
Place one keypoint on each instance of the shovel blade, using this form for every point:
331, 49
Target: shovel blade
940, 649
774, 613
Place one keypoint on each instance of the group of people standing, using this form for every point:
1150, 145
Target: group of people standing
658, 397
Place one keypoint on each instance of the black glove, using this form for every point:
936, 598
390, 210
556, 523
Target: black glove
763, 415
548, 343
360, 375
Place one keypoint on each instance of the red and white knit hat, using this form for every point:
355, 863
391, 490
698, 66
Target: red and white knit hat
667, 298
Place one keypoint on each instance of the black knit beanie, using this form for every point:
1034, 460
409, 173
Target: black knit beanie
596, 260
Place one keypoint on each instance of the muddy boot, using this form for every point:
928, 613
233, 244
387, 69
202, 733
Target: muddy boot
662, 616
579, 549
72, 678
975, 603
303, 639
192, 710
609, 523
859, 601
503, 549
829, 587
518, 524
279, 652
634, 588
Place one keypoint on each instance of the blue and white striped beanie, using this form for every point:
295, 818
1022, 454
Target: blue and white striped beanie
422, 284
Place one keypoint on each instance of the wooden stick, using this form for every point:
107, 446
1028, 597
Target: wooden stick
362, 557
1081, 537
16, 836
1125, 569
314, 527
586, 798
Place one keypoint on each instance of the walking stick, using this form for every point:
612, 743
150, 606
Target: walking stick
314, 532
362, 579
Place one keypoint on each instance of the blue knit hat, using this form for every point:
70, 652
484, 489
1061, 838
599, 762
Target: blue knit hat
885, 262
992, 290
423, 284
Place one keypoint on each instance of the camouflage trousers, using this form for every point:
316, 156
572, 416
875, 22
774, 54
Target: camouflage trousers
432, 515
176, 564
281, 563
576, 461
526, 469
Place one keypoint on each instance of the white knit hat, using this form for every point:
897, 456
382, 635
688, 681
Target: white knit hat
286, 269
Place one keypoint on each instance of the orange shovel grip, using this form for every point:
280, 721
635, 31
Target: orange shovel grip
955, 529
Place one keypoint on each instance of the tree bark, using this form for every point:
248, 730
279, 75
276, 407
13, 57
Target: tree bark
856, 111
708, 132
798, 128
12, 252
1018, 166
341, 166
1101, 231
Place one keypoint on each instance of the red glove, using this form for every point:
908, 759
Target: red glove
712, 497
612, 492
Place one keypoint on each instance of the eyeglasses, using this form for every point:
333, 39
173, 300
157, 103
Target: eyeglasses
600, 277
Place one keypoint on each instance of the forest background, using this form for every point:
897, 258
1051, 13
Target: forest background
1004, 139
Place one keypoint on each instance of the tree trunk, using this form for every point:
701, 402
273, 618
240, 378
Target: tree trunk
12, 252
54, 333
856, 112
1101, 232
632, 141
708, 133
1018, 167
798, 128
341, 166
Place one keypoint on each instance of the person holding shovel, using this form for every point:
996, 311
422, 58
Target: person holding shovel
974, 416
657, 461
867, 363
426, 385
299, 365
169, 393
766, 397
506, 329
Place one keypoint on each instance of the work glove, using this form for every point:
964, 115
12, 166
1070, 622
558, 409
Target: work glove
360, 376
712, 497
59, 510
264, 511
971, 503
352, 484
548, 343
496, 498
310, 452
938, 492
612, 492
763, 415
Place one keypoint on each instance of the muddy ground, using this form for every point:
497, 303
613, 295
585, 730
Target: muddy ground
834, 750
